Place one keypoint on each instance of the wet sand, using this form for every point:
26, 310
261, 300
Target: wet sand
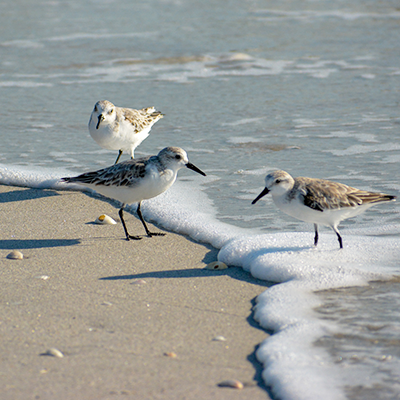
115, 308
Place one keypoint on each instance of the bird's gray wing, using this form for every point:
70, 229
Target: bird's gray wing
141, 119
320, 194
128, 173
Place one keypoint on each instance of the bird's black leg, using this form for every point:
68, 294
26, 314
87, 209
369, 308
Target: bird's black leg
128, 236
339, 237
119, 156
340, 240
316, 234
149, 234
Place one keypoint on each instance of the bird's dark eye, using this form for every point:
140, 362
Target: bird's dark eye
111, 111
278, 181
178, 157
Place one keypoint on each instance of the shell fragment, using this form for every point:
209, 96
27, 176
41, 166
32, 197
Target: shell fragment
53, 352
170, 354
15, 255
219, 339
104, 219
231, 383
217, 265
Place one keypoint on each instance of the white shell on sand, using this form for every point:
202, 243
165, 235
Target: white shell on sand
15, 255
138, 282
43, 277
231, 383
219, 339
215, 265
104, 219
53, 352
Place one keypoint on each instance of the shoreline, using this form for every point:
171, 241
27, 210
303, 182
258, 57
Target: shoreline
115, 308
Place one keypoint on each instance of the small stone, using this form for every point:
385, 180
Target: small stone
15, 255
53, 352
231, 383
106, 303
217, 265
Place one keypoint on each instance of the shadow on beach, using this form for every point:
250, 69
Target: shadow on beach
20, 244
233, 272
26, 194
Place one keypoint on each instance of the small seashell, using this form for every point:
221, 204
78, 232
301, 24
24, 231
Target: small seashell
138, 282
15, 255
219, 339
104, 219
231, 383
217, 265
106, 303
53, 352
43, 277
170, 354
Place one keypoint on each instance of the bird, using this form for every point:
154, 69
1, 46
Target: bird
122, 129
319, 201
135, 180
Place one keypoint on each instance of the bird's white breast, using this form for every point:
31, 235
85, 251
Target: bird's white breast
107, 135
328, 217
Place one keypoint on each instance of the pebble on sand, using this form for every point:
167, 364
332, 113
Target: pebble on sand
15, 255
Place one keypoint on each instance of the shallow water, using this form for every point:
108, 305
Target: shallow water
366, 345
246, 86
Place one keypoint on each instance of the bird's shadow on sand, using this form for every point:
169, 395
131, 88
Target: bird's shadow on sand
233, 272
20, 244
26, 194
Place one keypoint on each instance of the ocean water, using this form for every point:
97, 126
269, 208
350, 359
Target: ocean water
310, 87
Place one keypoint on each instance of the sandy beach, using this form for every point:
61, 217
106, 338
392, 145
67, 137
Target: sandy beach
134, 320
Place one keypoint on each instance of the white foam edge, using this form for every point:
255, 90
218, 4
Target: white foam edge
293, 366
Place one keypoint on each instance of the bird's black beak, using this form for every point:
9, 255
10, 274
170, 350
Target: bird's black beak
101, 117
195, 169
262, 194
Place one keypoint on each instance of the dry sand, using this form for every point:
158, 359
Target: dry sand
114, 308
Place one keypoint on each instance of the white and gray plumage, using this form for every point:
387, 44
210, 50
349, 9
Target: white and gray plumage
122, 129
136, 180
319, 201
